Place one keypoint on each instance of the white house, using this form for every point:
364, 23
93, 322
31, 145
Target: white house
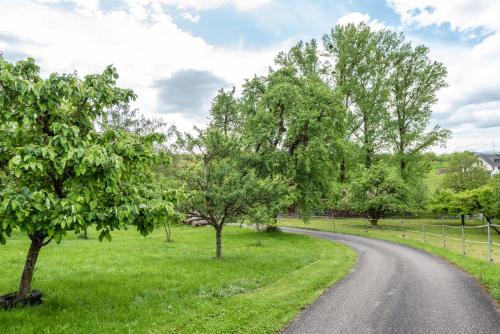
491, 161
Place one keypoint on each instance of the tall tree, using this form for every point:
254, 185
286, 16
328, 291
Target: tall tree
415, 82
359, 63
62, 173
294, 121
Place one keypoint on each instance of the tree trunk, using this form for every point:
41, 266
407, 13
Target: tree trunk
218, 242
29, 266
342, 173
368, 157
85, 235
462, 217
168, 232
373, 221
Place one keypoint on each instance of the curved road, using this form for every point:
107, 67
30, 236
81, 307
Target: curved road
397, 289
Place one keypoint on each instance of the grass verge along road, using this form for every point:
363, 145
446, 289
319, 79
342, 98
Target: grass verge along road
145, 285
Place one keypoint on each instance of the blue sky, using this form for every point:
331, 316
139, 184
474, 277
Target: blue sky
176, 54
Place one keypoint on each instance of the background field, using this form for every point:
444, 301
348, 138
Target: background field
145, 285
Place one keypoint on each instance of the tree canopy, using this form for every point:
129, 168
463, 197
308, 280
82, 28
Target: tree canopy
61, 173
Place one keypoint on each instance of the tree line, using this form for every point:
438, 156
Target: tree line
467, 189
343, 125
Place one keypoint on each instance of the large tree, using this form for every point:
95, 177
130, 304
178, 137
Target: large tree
63, 174
415, 81
294, 121
360, 61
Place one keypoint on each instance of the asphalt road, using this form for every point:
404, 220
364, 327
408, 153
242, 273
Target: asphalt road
397, 289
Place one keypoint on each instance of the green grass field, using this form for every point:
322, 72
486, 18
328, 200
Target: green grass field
434, 178
475, 261
145, 285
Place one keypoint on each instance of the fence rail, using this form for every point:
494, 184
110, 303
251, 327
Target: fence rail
422, 234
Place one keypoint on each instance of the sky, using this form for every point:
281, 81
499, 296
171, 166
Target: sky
176, 54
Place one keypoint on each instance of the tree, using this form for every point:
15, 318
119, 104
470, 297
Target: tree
122, 117
447, 202
414, 84
294, 122
378, 191
361, 60
464, 172
62, 173
220, 186
126, 119
484, 200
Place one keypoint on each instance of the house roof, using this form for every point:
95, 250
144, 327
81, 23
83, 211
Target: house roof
492, 159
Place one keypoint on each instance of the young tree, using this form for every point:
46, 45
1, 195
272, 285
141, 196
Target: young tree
220, 185
484, 200
62, 173
378, 191
447, 202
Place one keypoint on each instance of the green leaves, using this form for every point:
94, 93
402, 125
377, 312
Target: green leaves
378, 191
63, 173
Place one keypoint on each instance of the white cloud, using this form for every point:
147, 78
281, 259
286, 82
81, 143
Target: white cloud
191, 17
462, 15
144, 44
471, 104
357, 18
242, 5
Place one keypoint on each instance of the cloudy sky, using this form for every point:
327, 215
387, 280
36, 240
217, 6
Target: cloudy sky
176, 54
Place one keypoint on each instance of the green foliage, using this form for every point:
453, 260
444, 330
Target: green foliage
361, 61
61, 173
484, 200
378, 191
415, 82
464, 172
446, 202
294, 121
388, 88
123, 118
221, 185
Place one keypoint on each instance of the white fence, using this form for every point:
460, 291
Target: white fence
425, 232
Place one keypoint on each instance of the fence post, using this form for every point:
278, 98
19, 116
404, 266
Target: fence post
402, 229
463, 241
333, 220
444, 236
489, 242
423, 231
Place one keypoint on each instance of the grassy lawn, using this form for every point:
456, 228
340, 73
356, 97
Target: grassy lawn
434, 178
145, 285
475, 262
